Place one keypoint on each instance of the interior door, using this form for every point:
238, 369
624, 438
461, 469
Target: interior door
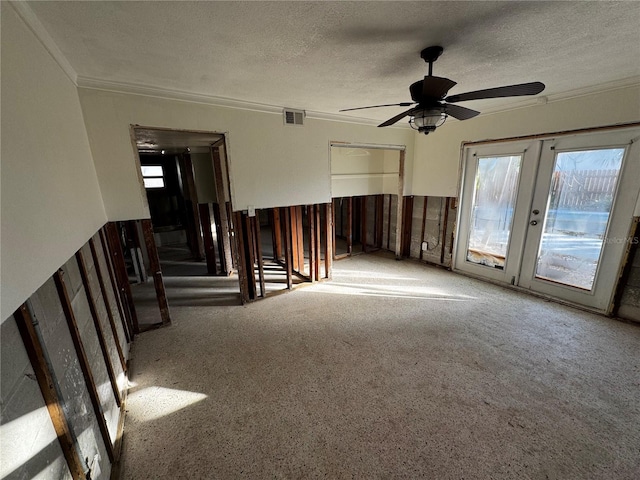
550, 216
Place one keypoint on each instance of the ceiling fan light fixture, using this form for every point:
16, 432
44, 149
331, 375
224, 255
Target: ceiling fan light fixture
426, 120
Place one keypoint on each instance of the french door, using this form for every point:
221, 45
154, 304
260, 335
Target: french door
551, 216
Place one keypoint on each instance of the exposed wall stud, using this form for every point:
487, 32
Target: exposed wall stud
122, 278
400, 205
227, 264
258, 248
444, 229
328, 242
84, 361
288, 249
312, 243
207, 237
191, 200
114, 287
154, 263
424, 225
36, 350
104, 349
389, 225
105, 298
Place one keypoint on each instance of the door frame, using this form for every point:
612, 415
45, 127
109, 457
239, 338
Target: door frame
627, 198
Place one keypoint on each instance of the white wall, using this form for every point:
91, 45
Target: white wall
51, 202
363, 171
204, 178
270, 164
437, 155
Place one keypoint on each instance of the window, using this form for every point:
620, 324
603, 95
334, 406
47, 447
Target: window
153, 176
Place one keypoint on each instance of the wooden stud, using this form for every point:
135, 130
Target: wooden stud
116, 292
318, 237
400, 205
121, 276
276, 232
349, 225
363, 222
84, 361
406, 226
36, 350
191, 200
293, 215
224, 237
444, 229
103, 291
312, 243
248, 234
219, 234
209, 247
258, 244
288, 247
241, 263
328, 244
389, 224
379, 221
424, 225
96, 323
234, 247
156, 271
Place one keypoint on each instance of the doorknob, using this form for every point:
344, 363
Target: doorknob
533, 222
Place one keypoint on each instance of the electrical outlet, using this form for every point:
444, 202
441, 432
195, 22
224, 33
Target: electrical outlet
251, 211
425, 246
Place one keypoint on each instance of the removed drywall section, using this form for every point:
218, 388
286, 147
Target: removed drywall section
270, 164
52, 197
29, 444
437, 156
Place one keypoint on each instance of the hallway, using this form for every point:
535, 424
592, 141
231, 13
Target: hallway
390, 370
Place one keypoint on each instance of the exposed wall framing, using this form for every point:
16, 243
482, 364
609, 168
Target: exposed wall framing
72, 333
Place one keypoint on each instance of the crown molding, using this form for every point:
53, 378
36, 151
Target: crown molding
180, 95
578, 92
31, 20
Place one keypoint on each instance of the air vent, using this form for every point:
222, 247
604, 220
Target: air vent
293, 117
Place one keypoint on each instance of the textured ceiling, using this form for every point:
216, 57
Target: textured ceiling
324, 56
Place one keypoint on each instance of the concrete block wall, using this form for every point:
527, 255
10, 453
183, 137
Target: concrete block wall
30, 448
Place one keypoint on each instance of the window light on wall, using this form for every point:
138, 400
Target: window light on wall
153, 176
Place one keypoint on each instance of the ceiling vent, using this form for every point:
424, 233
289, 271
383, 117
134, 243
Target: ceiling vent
293, 117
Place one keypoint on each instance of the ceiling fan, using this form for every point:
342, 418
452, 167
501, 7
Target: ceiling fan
433, 106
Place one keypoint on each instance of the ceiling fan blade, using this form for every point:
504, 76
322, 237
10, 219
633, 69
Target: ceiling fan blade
398, 117
461, 113
436, 87
403, 104
519, 90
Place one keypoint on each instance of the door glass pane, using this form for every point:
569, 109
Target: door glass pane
580, 200
494, 200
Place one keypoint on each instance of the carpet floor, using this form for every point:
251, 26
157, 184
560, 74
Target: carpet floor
390, 370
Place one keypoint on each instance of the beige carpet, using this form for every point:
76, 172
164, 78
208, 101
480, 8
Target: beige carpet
391, 370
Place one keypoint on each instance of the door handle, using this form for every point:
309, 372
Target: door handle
536, 212
533, 222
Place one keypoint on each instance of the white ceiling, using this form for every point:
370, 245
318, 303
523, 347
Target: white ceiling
324, 56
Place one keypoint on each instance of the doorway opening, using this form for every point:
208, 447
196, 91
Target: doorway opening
366, 183
185, 176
